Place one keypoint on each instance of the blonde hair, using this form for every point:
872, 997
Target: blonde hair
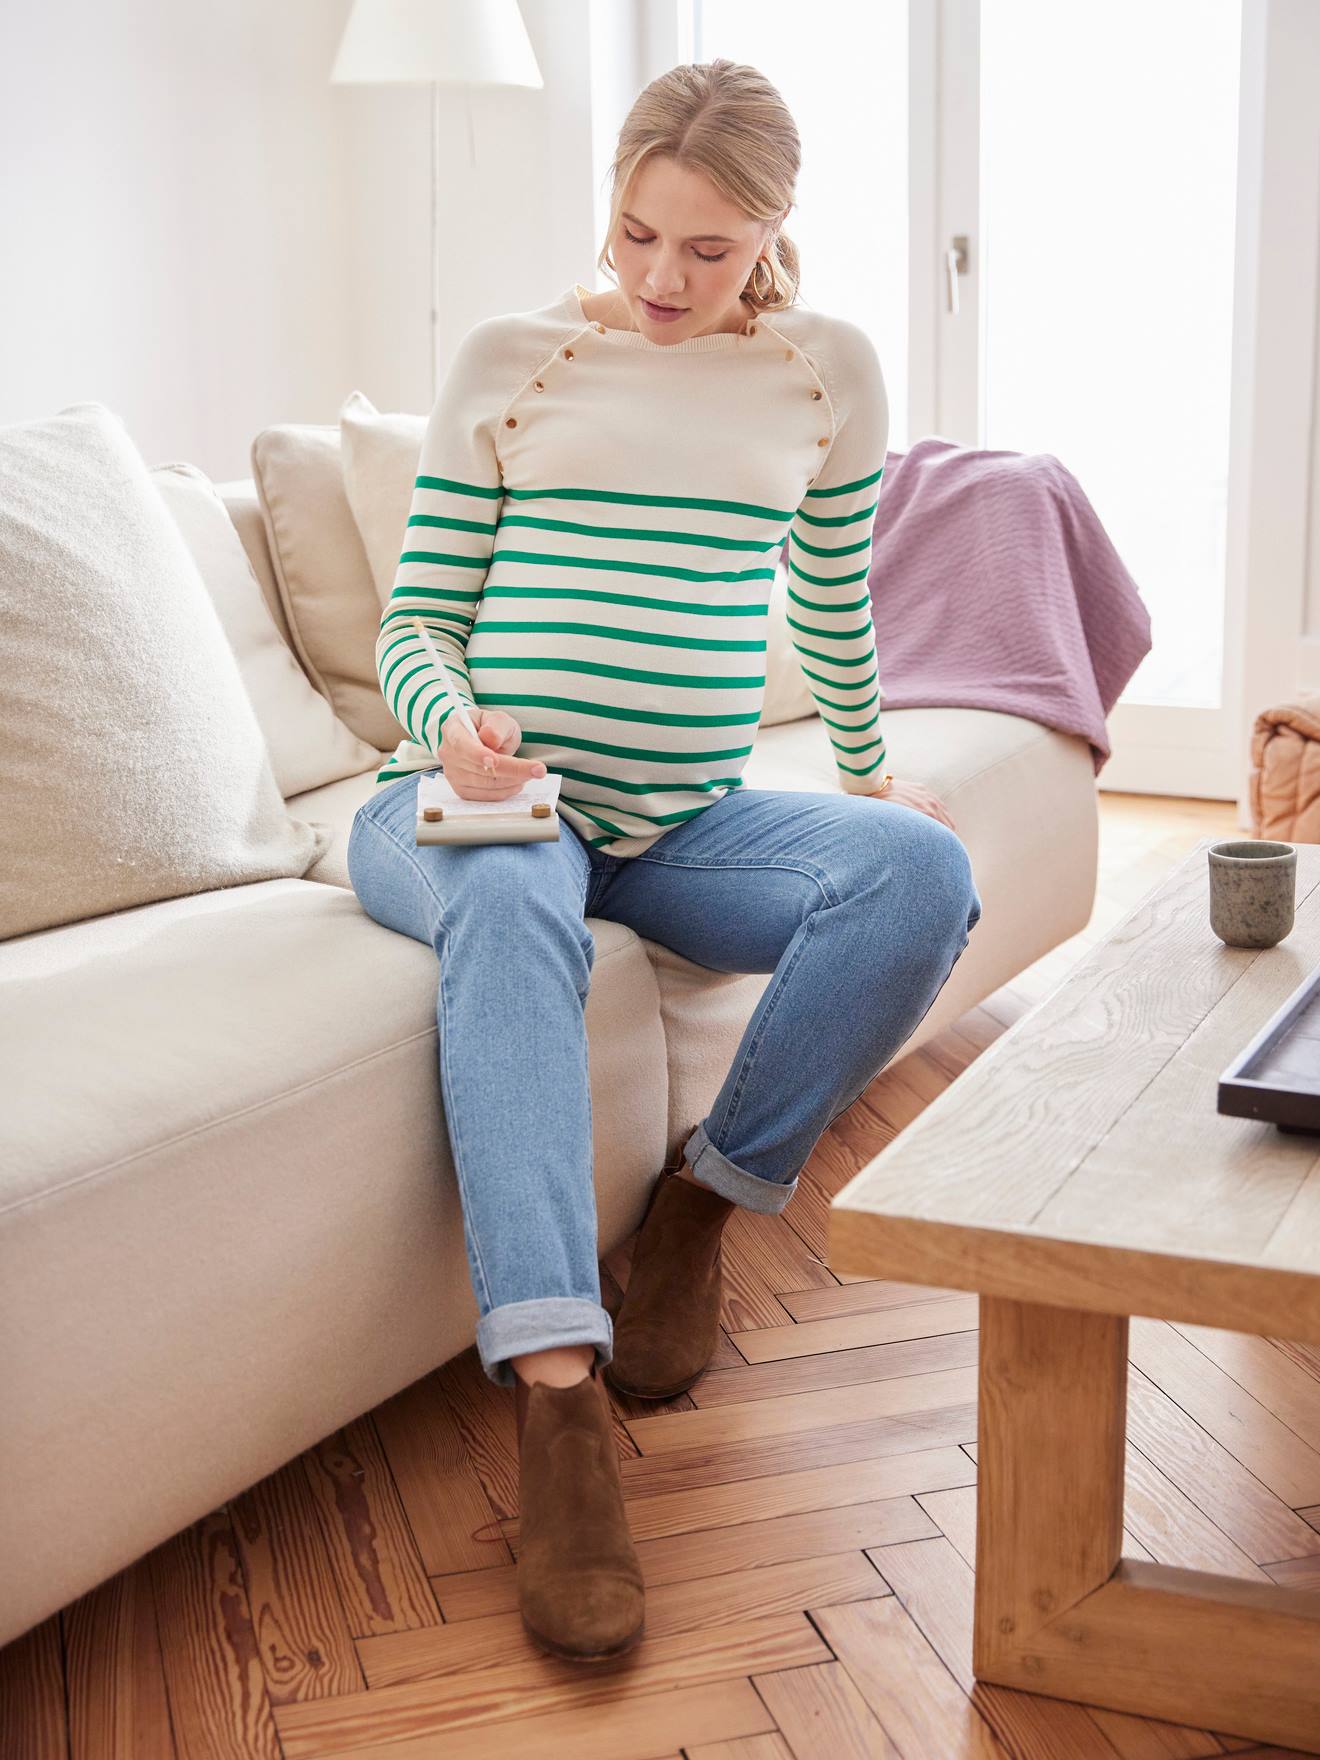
728, 121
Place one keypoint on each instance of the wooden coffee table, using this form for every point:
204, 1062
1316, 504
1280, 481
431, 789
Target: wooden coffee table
1076, 1174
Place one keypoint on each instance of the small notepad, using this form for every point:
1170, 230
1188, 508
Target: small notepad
508, 821
434, 791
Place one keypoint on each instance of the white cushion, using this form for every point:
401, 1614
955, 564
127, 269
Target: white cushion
132, 764
325, 584
309, 745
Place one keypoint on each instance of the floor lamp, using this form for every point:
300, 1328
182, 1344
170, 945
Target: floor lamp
437, 43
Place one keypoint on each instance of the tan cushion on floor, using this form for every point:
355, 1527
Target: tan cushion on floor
324, 578
308, 744
132, 764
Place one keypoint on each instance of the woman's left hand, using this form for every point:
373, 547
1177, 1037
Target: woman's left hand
915, 794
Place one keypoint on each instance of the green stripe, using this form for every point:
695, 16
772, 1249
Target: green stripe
837, 519
815, 605
844, 727
634, 675
608, 632
641, 754
831, 550
642, 534
457, 487
456, 525
649, 787
670, 571
751, 509
866, 769
847, 488
652, 819
828, 635
652, 716
845, 708
825, 580
634, 601
444, 558
866, 659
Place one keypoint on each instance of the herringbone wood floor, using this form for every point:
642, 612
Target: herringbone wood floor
804, 1515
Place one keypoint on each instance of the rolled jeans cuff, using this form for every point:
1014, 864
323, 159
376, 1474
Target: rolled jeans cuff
542, 1324
714, 1169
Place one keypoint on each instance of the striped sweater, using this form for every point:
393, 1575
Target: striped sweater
592, 543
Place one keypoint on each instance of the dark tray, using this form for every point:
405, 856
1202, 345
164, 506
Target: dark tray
1277, 1076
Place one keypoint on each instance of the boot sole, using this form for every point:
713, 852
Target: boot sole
637, 1393
569, 1654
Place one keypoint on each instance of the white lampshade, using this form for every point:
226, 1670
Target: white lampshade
440, 42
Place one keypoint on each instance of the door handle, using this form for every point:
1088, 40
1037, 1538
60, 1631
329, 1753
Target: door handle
955, 264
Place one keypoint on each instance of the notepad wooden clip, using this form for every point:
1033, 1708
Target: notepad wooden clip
526, 817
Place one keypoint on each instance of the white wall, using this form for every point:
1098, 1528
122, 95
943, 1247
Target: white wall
202, 233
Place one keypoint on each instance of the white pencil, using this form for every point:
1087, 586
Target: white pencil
460, 707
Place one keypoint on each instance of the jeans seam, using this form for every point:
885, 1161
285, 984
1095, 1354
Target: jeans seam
749, 1056
823, 882
455, 1134
450, 1112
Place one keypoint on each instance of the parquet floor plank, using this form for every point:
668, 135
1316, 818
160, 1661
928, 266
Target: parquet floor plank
381, 1582
679, 1557
117, 1699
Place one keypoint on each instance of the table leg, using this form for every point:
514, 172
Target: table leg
1058, 1610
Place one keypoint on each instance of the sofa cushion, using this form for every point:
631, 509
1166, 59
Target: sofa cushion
324, 578
307, 742
132, 764
229, 1222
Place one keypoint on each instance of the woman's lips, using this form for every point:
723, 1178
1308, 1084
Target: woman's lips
662, 314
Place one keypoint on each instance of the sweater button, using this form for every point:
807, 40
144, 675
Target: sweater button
537, 385
568, 354
788, 354
824, 440
599, 327
817, 395
751, 329
512, 422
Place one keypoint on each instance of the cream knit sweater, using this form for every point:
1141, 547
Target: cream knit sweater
592, 541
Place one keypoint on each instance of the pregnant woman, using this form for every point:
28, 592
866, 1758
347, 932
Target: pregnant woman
604, 486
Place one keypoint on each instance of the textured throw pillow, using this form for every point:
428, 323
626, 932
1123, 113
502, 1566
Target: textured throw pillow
309, 746
380, 455
325, 582
132, 766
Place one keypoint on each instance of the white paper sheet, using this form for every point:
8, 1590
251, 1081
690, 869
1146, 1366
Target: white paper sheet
434, 791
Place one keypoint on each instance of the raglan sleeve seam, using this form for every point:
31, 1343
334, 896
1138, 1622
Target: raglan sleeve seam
829, 561
447, 543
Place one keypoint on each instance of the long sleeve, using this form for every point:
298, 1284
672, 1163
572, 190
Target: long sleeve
829, 558
456, 500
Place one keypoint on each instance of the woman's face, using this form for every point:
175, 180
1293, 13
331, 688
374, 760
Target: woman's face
679, 243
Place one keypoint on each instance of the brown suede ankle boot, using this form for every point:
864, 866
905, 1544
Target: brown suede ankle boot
667, 1328
580, 1586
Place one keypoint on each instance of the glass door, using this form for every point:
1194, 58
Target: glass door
1108, 160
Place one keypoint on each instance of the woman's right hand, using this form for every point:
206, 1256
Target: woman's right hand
464, 758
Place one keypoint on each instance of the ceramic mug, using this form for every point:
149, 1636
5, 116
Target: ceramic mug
1253, 891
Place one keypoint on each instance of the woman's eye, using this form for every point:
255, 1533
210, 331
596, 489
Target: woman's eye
705, 259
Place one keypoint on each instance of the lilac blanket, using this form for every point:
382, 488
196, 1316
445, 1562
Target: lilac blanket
995, 586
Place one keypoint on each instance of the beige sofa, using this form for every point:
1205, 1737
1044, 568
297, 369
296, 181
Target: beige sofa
235, 1225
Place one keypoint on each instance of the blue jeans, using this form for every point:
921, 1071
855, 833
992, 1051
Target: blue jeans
859, 907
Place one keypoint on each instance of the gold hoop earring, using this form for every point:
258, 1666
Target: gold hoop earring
753, 286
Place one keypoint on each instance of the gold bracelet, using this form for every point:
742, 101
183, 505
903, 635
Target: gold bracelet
884, 785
